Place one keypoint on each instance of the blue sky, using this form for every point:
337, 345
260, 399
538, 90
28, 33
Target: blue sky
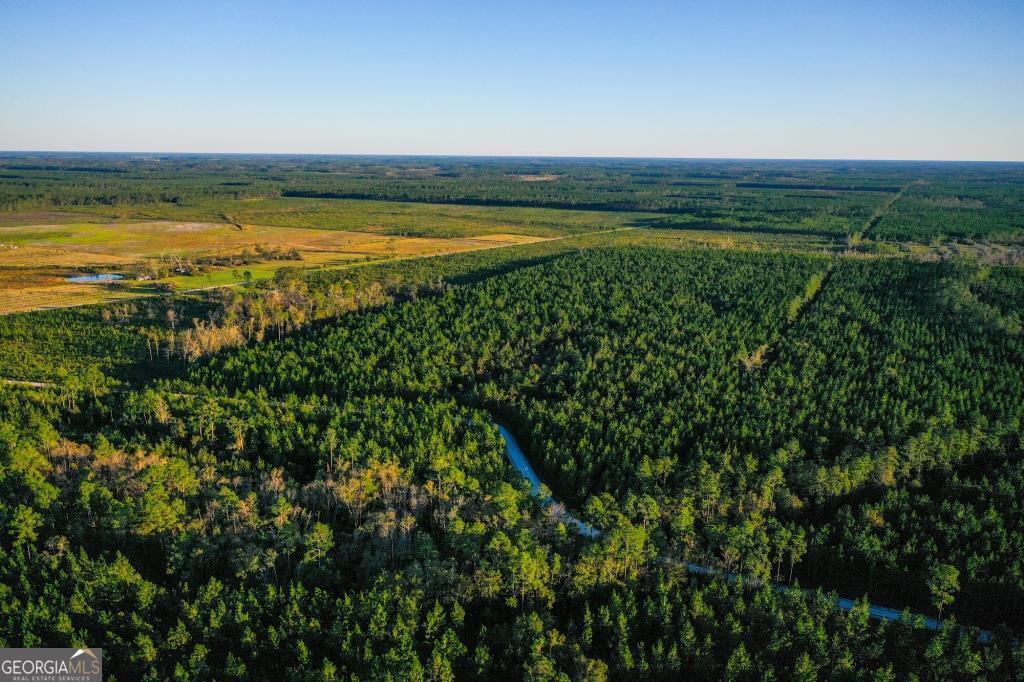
902, 80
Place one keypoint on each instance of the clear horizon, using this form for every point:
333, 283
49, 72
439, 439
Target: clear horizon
525, 157
808, 81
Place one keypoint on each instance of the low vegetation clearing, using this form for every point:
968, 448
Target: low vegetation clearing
36, 260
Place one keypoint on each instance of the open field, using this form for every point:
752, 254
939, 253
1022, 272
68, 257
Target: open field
40, 298
35, 260
370, 251
17, 256
80, 244
15, 218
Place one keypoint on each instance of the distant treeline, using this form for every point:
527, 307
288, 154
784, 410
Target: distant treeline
837, 198
829, 188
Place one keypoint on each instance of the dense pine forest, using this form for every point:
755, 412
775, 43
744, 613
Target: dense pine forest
805, 379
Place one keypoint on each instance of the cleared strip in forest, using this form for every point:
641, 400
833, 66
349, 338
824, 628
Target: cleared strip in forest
877, 216
797, 306
518, 459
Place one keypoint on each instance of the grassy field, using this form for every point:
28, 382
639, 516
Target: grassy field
20, 218
102, 244
48, 291
124, 242
36, 259
372, 251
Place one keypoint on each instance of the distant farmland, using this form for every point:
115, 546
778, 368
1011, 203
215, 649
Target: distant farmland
36, 260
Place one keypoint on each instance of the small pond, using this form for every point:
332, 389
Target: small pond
105, 277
